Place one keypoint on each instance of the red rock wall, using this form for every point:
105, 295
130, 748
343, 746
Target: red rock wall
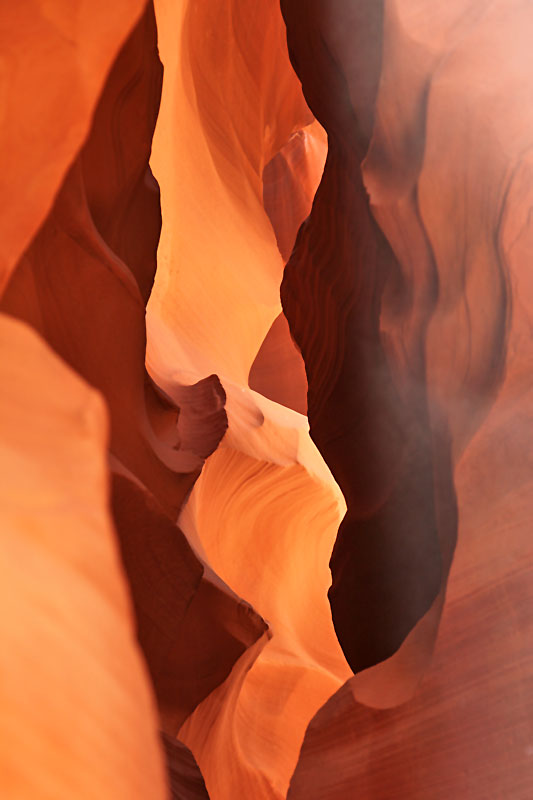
265, 346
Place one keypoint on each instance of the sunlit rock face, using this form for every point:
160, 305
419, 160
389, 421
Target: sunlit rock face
265, 348
75, 697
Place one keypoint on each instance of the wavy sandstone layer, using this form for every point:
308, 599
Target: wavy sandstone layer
254, 551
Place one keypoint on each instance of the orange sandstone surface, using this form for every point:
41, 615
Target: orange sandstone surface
266, 400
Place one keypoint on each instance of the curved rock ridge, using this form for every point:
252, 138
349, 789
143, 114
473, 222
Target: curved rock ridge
55, 59
76, 701
264, 507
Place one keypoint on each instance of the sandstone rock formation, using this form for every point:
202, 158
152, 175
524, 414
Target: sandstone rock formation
265, 350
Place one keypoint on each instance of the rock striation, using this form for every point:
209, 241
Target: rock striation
265, 399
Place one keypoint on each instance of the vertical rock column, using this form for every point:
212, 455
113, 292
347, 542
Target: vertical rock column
367, 399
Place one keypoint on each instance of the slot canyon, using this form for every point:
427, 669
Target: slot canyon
266, 400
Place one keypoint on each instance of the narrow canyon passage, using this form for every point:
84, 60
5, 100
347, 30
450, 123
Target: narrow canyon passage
266, 434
